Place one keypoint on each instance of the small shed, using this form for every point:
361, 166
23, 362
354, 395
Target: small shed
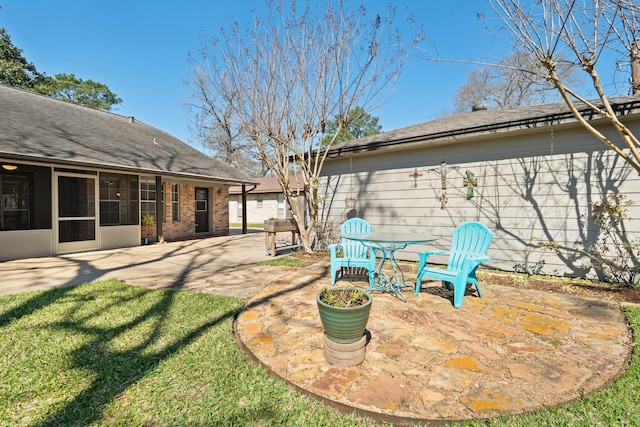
264, 201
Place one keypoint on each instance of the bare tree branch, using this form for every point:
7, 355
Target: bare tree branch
552, 30
294, 69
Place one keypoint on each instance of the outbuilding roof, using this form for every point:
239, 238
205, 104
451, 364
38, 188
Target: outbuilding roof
38, 128
270, 184
480, 123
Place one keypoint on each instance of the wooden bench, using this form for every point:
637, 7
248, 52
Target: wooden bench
274, 226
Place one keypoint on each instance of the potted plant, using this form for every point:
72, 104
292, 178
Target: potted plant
344, 313
350, 202
147, 226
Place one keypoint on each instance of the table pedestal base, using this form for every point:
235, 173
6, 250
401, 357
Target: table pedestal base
394, 282
388, 243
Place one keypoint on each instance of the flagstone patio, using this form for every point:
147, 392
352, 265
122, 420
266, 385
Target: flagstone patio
513, 351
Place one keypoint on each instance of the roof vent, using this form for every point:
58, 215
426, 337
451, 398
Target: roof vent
132, 119
479, 107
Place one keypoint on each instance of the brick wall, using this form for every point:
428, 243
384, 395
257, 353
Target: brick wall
184, 227
220, 211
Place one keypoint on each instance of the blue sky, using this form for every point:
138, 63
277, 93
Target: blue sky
140, 48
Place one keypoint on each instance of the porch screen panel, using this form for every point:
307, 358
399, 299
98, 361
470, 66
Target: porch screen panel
16, 202
77, 231
76, 209
109, 200
74, 200
118, 199
25, 197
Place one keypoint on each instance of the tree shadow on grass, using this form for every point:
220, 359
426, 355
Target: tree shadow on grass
112, 370
36, 302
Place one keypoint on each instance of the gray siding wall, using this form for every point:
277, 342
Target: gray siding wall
532, 187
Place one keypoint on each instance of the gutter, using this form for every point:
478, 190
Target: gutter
56, 161
549, 119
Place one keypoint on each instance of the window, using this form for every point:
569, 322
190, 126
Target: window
148, 197
175, 202
109, 200
118, 199
201, 205
281, 211
239, 207
259, 200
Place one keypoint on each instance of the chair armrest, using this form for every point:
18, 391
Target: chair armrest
424, 255
472, 262
333, 249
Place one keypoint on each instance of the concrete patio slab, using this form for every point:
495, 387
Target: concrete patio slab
170, 264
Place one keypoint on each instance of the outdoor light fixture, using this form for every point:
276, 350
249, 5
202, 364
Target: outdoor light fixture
9, 167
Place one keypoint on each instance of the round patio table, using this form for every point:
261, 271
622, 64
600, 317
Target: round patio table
388, 243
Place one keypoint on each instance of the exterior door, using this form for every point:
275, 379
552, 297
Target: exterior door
202, 210
75, 212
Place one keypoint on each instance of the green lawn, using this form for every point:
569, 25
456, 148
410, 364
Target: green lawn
249, 224
286, 261
110, 353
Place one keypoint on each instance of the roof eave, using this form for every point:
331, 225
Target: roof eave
140, 171
529, 124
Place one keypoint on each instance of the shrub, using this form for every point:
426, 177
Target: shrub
341, 297
612, 254
323, 234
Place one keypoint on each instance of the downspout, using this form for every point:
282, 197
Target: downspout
244, 206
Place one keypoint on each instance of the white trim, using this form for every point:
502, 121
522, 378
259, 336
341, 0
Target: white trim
83, 245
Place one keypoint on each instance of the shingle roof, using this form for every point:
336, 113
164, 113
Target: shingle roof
40, 128
270, 184
478, 123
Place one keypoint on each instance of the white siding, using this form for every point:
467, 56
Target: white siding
531, 187
255, 213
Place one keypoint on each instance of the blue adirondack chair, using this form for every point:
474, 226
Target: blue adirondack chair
354, 254
469, 245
